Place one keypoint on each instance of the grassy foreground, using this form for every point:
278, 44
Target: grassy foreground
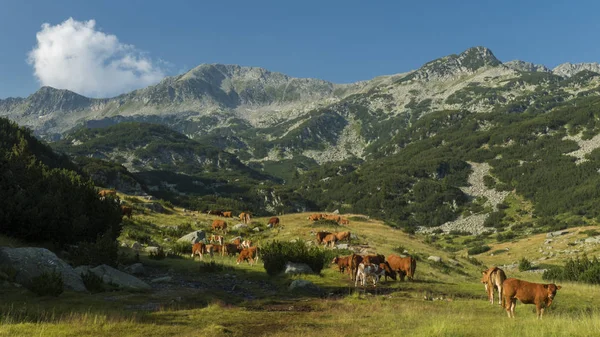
445, 300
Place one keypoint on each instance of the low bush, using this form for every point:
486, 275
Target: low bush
591, 232
459, 233
474, 261
181, 248
478, 250
276, 253
578, 270
47, 284
525, 265
159, 254
104, 251
93, 283
358, 218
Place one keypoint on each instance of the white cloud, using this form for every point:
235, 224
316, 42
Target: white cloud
74, 55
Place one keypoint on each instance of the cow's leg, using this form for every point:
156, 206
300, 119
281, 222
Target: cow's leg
512, 307
499, 294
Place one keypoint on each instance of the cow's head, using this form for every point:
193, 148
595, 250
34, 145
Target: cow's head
485, 276
335, 260
552, 289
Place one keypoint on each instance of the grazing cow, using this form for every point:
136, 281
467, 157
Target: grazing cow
343, 262
127, 210
315, 217
374, 259
219, 224
388, 270
227, 214
528, 293
245, 217
214, 249
321, 236
274, 221
342, 236
366, 270
217, 239
237, 241
198, 248
493, 278
214, 212
329, 239
230, 249
355, 260
335, 218
248, 254
209, 249
344, 222
104, 193
246, 244
404, 266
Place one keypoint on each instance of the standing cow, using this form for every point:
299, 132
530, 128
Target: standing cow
219, 224
404, 266
528, 293
126, 210
493, 278
274, 222
245, 217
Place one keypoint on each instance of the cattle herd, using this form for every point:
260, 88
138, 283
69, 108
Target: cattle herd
374, 267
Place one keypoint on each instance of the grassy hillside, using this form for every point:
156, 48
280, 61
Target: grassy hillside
446, 299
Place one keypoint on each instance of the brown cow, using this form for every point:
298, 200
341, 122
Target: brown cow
245, 217
214, 249
315, 217
219, 224
388, 270
127, 210
104, 193
248, 254
330, 239
373, 259
344, 222
198, 248
335, 218
237, 241
404, 266
274, 221
355, 260
493, 278
342, 262
214, 212
321, 235
342, 236
230, 249
227, 214
217, 239
528, 293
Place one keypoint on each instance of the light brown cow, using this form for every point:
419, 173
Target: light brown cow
389, 272
404, 266
198, 248
330, 240
493, 278
373, 259
274, 221
127, 210
248, 254
528, 293
219, 224
104, 193
343, 262
217, 239
228, 214
315, 217
344, 222
237, 241
335, 218
342, 236
320, 236
245, 217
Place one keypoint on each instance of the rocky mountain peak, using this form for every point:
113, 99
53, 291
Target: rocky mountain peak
569, 69
526, 66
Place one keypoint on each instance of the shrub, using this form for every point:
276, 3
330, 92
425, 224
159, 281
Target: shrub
47, 284
104, 251
213, 267
275, 255
438, 231
358, 218
459, 233
478, 250
159, 254
474, 261
525, 265
591, 232
93, 283
181, 248
578, 270
506, 236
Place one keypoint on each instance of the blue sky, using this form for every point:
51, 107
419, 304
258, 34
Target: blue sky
339, 41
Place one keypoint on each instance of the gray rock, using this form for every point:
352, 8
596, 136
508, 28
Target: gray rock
152, 249
435, 258
548, 241
136, 246
595, 239
256, 229
337, 211
119, 278
82, 270
341, 246
453, 262
305, 286
353, 236
165, 279
135, 269
292, 268
193, 237
30, 262
240, 226
557, 233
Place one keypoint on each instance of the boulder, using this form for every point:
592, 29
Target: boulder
152, 249
342, 246
30, 262
548, 241
305, 286
595, 239
240, 226
435, 258
337, 211
297, 268
135, 269
256, 229
193, 237
119, 278
165, 279
557, 233
82, 270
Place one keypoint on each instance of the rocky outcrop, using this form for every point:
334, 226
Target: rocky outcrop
526, 66
120, 279
569, 69
30, 262
193, 237
292, 268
